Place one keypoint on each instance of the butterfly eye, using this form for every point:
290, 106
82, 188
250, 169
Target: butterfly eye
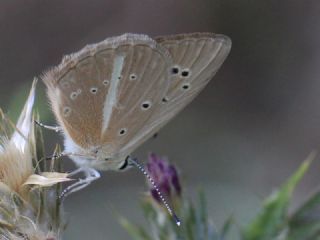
124, 165
146, 105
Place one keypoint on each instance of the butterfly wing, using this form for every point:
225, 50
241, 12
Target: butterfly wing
196, 59
104, 94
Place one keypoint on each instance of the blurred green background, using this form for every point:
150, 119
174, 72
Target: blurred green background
243, 136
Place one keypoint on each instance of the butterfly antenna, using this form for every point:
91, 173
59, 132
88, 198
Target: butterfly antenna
170, 210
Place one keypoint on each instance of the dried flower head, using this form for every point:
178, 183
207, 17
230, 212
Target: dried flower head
27, 209
15, 152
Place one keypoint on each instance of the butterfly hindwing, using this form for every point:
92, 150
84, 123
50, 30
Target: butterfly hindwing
196, 59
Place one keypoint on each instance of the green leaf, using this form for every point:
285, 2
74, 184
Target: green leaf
272, 219
203, 207
137, 233
305, 222
226, 227
201, 217
148, 210
190, 223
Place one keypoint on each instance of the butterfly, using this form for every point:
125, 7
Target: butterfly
112, 96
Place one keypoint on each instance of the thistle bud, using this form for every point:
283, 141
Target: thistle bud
165, 176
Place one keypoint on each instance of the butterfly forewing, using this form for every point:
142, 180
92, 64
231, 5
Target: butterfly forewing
196, 58
105, 93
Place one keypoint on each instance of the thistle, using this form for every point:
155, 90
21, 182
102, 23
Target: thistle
195, 222
165, 176
272, 223
29, 205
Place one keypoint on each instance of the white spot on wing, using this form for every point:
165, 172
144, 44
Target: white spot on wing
146, 105
105, 82
165, 100
66, 111
122, 131
73, 95
133, 76
94, 90
185, 73
185, 86
111, 98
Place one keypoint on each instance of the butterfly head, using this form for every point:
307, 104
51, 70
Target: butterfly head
97, 157
104, 161
111, 164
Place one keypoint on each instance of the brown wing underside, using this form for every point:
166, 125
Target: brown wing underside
79, 86
166, 74
196, 59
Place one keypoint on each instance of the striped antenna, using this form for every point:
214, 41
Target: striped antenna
170, 210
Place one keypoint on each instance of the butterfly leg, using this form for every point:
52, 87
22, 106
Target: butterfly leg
54, 128
63, 154
90, 176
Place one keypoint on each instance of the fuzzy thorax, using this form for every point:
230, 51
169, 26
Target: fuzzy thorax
97, 157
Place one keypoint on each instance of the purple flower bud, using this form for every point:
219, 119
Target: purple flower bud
165, 176
175, 180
